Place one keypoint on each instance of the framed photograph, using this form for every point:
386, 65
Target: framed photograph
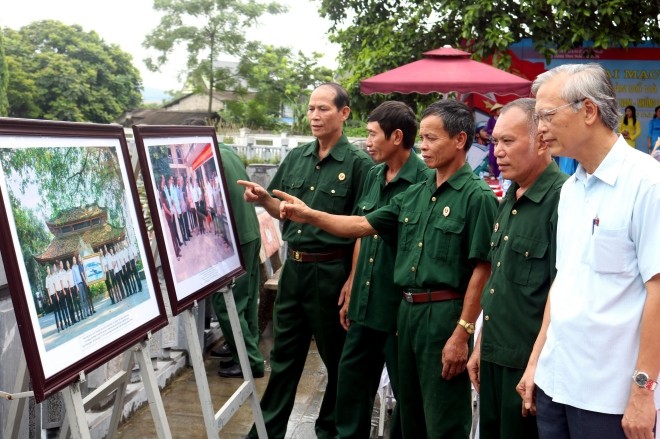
94, 272
74, 247
190, 209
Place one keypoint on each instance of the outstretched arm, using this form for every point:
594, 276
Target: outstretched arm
255, 193
294, 209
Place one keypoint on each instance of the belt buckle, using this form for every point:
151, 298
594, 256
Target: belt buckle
408, 296
297, 256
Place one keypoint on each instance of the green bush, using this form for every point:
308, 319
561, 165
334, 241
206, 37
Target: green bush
98, 290
355, 131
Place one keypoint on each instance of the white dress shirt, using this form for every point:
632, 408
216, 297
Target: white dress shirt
608, 243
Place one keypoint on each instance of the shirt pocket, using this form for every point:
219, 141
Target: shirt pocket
408, 225
366, 207
293, 186
527, 264
334, 199
446, 238
612, 251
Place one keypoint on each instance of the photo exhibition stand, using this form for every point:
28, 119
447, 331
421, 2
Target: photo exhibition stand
75, 405
214, 422
75, 421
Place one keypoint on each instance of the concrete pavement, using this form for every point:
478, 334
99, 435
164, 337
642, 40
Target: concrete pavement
184, 413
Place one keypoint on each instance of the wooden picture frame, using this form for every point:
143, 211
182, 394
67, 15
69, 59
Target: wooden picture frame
67, 191
190, 209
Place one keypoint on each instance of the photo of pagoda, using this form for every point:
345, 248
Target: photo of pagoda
79, 231
77, 243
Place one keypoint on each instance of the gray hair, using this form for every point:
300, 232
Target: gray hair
585, 81
526, 105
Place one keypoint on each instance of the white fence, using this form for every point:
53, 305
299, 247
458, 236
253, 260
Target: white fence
264, 148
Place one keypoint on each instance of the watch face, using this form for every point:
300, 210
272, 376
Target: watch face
641, 379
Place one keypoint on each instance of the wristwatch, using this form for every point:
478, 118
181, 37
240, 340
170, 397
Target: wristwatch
469, 327
642, 380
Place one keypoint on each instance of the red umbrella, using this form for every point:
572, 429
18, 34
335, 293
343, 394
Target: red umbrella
446, 70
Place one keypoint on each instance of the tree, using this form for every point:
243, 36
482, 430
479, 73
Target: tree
384, 34
60, 72
34, 237
281, 79
68, 177
207, 28
4, 79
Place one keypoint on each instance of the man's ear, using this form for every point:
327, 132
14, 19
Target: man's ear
397, 137
590, 112
345, 113
461, 139
539, 144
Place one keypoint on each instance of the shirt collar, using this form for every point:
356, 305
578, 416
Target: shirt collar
408, 171
456, 181
540, 187
337, 152
609, 168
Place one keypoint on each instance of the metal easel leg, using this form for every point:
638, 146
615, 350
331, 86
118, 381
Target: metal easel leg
75, 411
197, 361
17, 406
248, 384
153, 392
118, 406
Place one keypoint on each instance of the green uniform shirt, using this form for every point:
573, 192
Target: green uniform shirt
442, 230
332, 185
523, 250
374, 297
245, 217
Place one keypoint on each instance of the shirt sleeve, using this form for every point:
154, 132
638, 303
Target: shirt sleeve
480, 220
386, 219
645, 231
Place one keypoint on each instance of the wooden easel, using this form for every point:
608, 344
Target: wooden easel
214, 422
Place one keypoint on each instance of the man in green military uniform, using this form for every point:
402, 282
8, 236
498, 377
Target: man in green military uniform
246, 289
442, 229
523, 248
328, 174
374, 299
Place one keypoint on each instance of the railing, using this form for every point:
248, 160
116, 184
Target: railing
264, 148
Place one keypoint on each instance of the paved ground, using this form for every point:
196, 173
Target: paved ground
184, 414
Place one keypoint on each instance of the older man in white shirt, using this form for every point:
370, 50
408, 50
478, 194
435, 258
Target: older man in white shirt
596, 361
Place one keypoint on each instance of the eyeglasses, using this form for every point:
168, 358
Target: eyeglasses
546, 115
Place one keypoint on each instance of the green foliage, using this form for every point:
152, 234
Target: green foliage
69, 177
98, 289
383, 34
34, 237
60, 72
280, 78
4, 79
356, 131
207, 28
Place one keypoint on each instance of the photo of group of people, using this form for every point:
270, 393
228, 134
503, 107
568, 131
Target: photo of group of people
112, 273
83, 282
192, 212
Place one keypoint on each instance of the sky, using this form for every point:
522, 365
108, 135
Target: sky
126, 23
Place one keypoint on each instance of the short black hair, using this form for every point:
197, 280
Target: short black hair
395, 115
456, 118
341, 99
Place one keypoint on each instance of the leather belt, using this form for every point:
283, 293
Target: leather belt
299, 256
414, 295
